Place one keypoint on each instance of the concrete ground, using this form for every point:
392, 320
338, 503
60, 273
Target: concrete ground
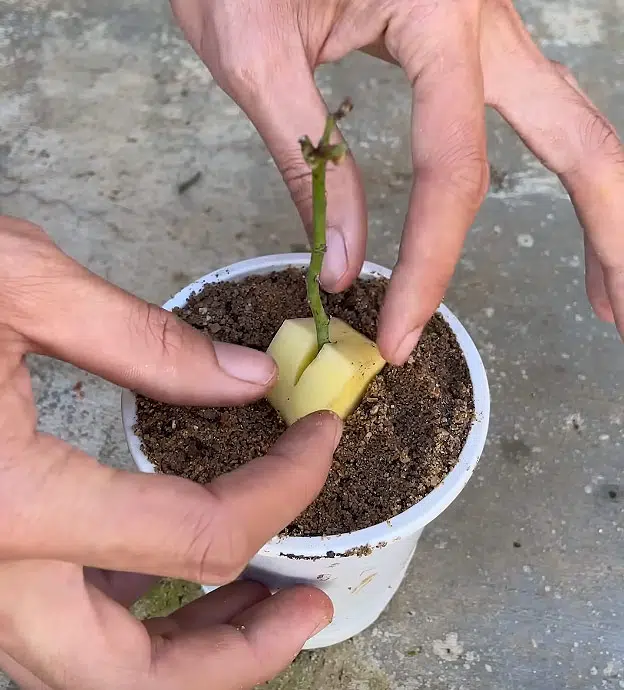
104, 110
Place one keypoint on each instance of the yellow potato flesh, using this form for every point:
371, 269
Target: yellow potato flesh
335, 379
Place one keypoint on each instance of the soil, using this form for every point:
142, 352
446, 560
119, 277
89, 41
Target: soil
398, 445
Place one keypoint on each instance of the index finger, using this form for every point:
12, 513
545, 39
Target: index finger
450, 181
249, 649
63, 310
565, 130
63, 506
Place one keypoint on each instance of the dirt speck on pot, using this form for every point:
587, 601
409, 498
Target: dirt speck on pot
365, 550
397, 446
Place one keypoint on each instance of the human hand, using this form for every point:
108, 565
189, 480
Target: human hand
70, 525
459, 55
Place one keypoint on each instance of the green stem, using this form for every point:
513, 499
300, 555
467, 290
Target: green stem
317, 158
319, 246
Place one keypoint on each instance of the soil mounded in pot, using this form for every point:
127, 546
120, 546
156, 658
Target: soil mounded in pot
398, 445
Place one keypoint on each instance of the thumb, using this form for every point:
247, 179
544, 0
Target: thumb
283, 110
69, 313
62, 505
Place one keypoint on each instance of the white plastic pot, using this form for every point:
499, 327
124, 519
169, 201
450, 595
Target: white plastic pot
360, 571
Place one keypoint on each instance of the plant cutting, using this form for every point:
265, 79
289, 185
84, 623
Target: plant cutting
323, 363
412, 438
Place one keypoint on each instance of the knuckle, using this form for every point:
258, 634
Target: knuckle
215, 551
240, 77
297, 178
235, 52
598, 136
162, 328
245, 72
474, 178
466, 170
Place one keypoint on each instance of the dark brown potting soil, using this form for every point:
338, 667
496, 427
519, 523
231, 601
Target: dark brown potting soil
398, 445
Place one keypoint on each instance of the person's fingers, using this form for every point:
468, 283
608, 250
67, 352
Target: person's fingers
229, 644
450, 172
219, 606
283, 110
124, 588
67, 507
69, 313
559, 123
264, 58
254, 647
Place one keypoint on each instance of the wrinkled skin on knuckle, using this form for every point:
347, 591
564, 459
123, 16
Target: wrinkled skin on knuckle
240, 79
464, 170
407, 18
339, 28
471, 177
583, 138
296, 176
425, 35
245, 46
599, 139
165, 339
161, 328
216, 548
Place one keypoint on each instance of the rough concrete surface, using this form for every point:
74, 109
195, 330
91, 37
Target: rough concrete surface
104, 109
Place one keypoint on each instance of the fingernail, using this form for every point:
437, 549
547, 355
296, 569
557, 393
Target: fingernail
407, 346
245, 364
335, 261
338, 424
321, 421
